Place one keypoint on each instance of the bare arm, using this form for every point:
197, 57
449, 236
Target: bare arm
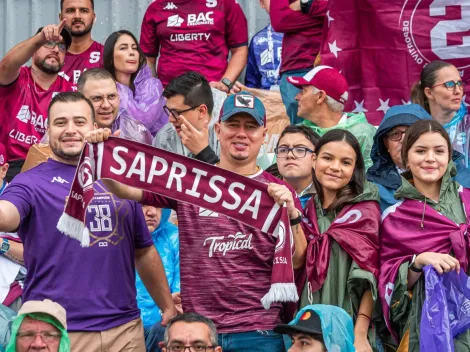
363, 321
122, 191
9, 217
150, 269
151, 63
15, 252
237, 62
300, 243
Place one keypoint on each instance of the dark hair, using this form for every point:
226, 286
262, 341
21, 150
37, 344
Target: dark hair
108, 59
356, 185
195, 89
312, 136
416, 130
93, 73
427, 80
193, 318
62, 5
70, 97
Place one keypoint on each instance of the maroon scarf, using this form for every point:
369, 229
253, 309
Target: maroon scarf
356, 229
186, 180
401, 237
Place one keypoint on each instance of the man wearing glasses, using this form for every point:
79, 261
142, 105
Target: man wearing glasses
40, 326
25, 92
190, 332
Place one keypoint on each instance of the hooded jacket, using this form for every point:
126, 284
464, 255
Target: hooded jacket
384, 172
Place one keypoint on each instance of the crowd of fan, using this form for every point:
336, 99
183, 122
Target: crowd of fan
146, 282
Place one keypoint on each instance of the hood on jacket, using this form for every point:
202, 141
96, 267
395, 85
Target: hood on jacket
165, 225
384, 171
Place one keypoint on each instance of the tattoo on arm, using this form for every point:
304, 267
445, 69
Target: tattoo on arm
13, 258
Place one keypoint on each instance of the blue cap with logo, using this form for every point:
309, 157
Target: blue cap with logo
246, 103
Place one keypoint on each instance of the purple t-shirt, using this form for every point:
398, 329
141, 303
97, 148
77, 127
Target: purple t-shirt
95, 285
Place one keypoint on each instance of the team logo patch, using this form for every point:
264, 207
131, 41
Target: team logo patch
437, 30
245, 101
306, 316
85, 174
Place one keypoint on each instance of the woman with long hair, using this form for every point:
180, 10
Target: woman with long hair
425, 228
440, 91
140, 93
341, 222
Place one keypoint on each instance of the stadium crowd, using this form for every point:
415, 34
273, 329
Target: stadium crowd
364, 215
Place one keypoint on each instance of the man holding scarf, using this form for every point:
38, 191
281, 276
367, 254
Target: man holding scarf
96, 285
226, 265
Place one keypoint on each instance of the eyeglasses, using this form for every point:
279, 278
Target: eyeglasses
395, 135
99, 100
176, 113
46, 336
52, 44
196, 348
297, 152
450, 85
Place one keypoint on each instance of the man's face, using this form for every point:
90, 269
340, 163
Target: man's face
190, 334
240, 138
393, 141
104, 96
48, 60
152, 217
194, 116
307, 101
305, 343
79, 15
36, 335
292, 167
68, 124
266, 4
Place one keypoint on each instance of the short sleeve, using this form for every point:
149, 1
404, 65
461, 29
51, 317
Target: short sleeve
20, 194
142, 238
157, 201
148, 33
12, 88
236, 25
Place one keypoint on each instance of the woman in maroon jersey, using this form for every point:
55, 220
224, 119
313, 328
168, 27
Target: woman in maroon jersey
140, 93
341, 224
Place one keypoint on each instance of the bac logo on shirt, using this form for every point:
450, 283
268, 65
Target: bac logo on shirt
203, 212
175, 21
211, 3
27, 116
201, 19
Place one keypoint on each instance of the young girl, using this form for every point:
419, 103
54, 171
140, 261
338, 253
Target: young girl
425, 228
140, 93
341, 224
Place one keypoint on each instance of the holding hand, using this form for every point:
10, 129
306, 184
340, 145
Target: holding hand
100, 135
281, 194
52, 32
193, 139
443, 263
219, 85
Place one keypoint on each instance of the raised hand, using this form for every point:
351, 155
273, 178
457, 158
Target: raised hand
192, 138
52, 32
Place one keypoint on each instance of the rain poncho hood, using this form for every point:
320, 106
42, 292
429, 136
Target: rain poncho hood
356, 124
146, 103
459, 129
64, 340
337, 327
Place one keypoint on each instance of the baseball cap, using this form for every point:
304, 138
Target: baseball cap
243, 102
65, 34
325, 78
308, 322
3, 155
46, 306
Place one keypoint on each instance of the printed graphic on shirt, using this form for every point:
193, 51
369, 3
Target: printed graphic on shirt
175, 21
76, 64
170, 6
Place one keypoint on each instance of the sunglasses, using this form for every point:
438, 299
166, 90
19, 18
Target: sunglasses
450, 85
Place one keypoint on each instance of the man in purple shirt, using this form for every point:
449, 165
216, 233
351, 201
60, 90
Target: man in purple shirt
96, 285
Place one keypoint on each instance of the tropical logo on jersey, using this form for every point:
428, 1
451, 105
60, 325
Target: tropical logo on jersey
201, 19
443, 35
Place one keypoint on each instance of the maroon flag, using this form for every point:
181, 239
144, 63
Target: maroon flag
381, 46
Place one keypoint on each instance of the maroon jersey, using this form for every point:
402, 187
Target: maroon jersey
75, 64
225, 265
193, 35
23, 112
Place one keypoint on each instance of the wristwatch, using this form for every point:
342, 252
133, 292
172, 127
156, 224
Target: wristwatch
227, 83
304, 6
5, 246
296, 220
412, 266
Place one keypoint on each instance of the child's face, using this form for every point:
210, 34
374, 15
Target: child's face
306, 343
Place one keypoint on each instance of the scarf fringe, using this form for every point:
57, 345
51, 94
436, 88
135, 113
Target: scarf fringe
74, 228
280, 292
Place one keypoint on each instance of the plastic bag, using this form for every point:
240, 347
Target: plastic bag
446, 310
6, 319
131, 128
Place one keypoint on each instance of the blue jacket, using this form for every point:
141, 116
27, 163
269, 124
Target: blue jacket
384, 172
261, 71
165, 238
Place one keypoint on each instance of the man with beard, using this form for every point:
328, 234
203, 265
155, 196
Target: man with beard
95, 285
25, 92
84, 53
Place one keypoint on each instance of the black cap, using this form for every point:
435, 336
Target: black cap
309, 322
65, 34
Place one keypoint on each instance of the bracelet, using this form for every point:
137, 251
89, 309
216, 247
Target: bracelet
364, 315
413, 268
296, 221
